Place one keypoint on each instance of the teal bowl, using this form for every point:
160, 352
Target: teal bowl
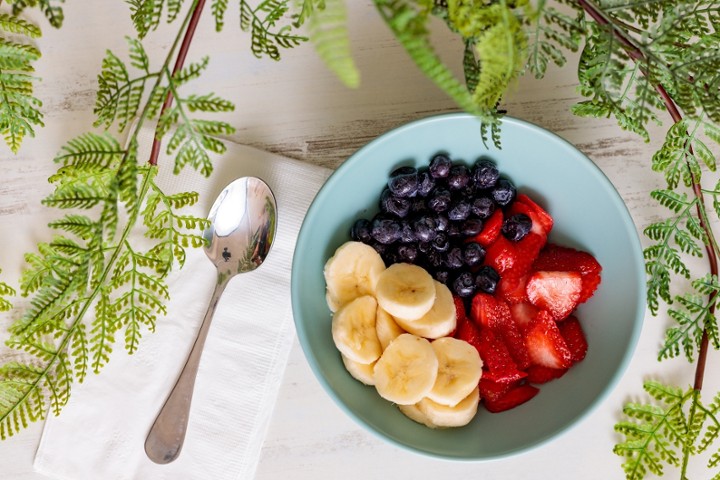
589, 214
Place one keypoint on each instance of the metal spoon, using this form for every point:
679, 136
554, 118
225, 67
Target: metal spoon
243, 222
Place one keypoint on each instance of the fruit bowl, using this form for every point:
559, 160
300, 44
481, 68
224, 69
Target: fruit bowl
589, 215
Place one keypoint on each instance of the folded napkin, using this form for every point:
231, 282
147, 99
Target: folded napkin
101, 432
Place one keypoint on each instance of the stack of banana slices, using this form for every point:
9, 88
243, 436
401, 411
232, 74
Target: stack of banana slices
392, 327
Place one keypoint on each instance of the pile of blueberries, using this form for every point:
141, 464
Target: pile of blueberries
429, 216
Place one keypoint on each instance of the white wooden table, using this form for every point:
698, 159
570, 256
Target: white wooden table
297, 108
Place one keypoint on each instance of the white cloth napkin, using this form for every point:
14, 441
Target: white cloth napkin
101, 432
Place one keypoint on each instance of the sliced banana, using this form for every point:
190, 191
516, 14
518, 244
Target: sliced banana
439, 321
405, 291
353, 330
457, 416
406, 370
387, 328
362, 372
414, 413
459, 371
352, 272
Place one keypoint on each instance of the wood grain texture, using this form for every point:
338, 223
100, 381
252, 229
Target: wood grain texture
298, 109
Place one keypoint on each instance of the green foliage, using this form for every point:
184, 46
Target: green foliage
550, 32
146, 15
50, 8
94, 283
5, 291
327, 29
269, 27
19, 108
675, 425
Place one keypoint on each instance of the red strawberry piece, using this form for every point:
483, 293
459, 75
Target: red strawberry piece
572, 332
514, 340
542, 215
484, 311
492, 391
555, 291
498, 364
511, 399
523, 314
528, 250
546, 346
566, 259
511, 288
490, 231
467, 330
537, 226
542, 374
514, 258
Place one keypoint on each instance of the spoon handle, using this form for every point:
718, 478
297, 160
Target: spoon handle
165, 439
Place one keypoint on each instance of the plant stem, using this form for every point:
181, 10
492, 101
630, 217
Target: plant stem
179, 62
636, 53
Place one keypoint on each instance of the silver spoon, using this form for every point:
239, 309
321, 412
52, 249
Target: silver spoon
243, 222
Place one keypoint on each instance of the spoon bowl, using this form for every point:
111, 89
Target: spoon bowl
243, 222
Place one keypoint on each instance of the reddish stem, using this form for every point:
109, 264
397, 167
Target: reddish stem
179, 62
637, 55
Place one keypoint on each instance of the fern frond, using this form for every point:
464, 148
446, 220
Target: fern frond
53, 12
327, 29
552, 31
5, 291
266, 36
146, 15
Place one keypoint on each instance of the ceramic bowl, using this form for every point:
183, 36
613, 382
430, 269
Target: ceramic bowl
589, 215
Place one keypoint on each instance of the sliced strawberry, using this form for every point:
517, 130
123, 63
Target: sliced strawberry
511, 399
511, 288
554, 291
523, 314
546, 346
542, 215
467, 330
572, 332
498, 364
514, 340
537, 226
492, 390
542, 374
528, 250
514, 258
566, 259
484, 311
490, 231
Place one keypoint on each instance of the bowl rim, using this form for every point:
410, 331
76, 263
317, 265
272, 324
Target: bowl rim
637, 255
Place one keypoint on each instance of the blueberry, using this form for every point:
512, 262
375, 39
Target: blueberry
426, 184
440, 166
486, 279
361, 231
425, 228
442, 223
442, 276
473, 254
439, 200
424, 247
441, 243
407, 253
482, 207
385, 230
504, 192
380, 248
407, 234
454, 230
471, 227
403, 182
459, 177
464, 285
454, 258
434, 259
516, 227
459, 210
390, 255
485, 174
417, 205
397, 206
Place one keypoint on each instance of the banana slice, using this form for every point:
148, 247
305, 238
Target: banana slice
440, 321
457, 416
387, 328
406, 370
414, 413
352, 272
362, 372
353, 330
405, 291
459, 371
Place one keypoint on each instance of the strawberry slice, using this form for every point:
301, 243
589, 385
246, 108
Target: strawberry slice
555, 291
491, 390
566, 259
572, 332
537, 227
467, 330
491, 230
523, 314
498, 364
542, 216
511, 399
511, 288
514, 258
546, 346
542, 374
484, 311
